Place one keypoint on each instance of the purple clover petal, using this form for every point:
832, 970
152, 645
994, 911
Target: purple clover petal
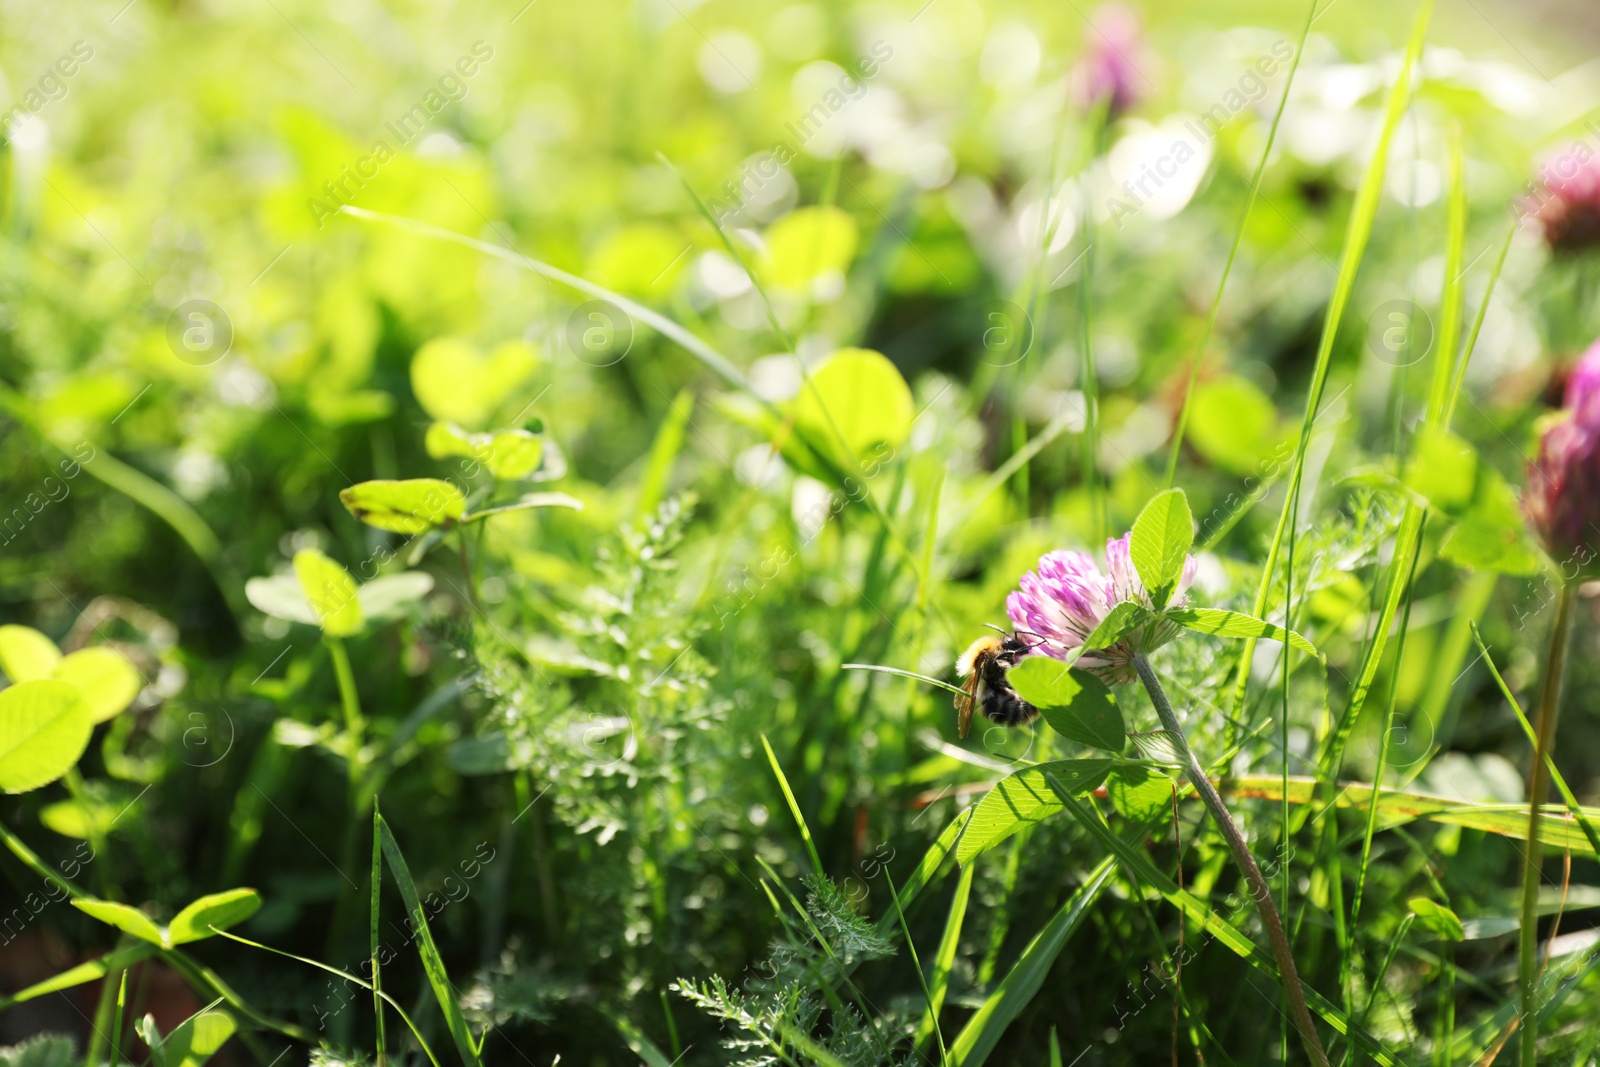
1062, 602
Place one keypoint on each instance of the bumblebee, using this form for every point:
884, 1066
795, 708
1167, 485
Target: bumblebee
983, 667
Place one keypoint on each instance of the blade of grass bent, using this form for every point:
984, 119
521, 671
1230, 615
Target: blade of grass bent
708, 356
319, 965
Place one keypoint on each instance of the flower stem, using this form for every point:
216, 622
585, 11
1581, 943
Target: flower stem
1260, 892
1538, 787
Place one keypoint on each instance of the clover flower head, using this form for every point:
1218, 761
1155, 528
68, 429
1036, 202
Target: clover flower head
1562, 498
1060, 604
1109, 69
1568, 207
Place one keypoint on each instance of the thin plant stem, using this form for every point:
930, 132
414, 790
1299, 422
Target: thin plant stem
1538, 786
1260, 892
349, 702
1233, 253
1091, 378
466, 570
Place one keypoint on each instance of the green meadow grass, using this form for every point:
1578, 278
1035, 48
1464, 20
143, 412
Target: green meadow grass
592, 557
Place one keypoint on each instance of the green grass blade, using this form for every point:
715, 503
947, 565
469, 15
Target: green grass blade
978, 1038
932, 1014
204, 978
637, 1041
1450, 300
1139, 865
1233, 252
664, 452
1578, 813
794, 808
945, 957
377, 895
901, 673
1477, 322
1401, 805
119, 960
709, 357
926, 868
432, 963
1355, 247
347, 976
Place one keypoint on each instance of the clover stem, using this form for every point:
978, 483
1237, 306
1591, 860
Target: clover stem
466, 570
349, 701
1260, 892
1538, 787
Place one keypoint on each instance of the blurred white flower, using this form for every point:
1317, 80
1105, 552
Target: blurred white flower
730, 61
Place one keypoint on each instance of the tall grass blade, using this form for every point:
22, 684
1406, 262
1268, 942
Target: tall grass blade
1360, 230
1233, 251
794, 809
348, 977
932, 1014
1139, 865
377, 896
978, 1038
945, 957
432, 963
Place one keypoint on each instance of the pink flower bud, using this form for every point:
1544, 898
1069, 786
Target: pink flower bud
1110, 70
1568, 204
1562, 498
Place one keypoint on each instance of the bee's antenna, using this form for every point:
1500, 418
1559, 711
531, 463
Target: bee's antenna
1014, 632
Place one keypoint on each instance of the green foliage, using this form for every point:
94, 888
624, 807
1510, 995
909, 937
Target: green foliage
44, 728
456, 382
912, 343
106, 682
411, 506
1074, 702
1160, 543
1139, 793
46, 1050
200, 919
26, 655
1025, 798
856, 399
807, 244
192, 1043
508, 454
330, 591
1436, 920
784, 998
